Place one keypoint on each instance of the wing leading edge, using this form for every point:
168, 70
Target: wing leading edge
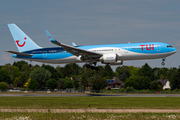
74, 50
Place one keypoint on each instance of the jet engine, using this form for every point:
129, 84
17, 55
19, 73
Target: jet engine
111, 59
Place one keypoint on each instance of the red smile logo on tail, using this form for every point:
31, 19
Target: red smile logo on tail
17, 41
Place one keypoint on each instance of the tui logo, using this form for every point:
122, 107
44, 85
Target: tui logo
17, 41
147, 47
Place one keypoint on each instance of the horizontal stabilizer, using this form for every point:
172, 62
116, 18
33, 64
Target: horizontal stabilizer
19, 53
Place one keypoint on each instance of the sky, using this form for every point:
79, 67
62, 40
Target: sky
90, 22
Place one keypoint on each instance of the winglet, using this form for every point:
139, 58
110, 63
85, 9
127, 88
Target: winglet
51, 38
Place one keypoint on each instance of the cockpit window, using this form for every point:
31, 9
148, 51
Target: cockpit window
169, 46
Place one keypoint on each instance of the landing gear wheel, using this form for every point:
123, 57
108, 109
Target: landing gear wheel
88, 66
163, 59
162, 63
92, 67
96, 68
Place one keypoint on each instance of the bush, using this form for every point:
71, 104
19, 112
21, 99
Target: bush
51, 84
33, 85
154, 85
98, 84
68, 84
129, 89
130, 83
121, 90
159, 87
3, 86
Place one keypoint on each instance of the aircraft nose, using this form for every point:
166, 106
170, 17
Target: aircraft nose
174, 50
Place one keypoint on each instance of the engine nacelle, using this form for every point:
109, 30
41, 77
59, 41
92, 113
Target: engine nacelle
111, 59
119, 62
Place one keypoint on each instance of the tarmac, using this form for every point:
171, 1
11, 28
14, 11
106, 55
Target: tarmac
86, 95
89, 110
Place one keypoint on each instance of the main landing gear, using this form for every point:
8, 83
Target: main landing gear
92, 67
163, 63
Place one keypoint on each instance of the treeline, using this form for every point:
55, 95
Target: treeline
21, 74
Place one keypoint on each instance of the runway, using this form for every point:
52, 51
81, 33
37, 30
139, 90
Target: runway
89, 110
86, 95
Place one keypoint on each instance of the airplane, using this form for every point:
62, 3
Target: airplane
113, 54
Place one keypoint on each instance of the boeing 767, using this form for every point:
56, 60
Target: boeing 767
113, 54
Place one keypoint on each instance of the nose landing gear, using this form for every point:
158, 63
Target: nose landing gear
163, 63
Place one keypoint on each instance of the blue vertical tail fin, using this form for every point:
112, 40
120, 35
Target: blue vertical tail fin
22, 41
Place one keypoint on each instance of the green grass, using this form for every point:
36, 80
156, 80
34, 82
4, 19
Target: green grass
89, 116
94, 102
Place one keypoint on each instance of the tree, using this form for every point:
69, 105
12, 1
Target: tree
134, 71
27, 83
75, 68
109, 71
123, 77
41, 75
146, 70
5, 76
54, 73
22, 79
130, 83
13, 70
171, 73
76, 84
162, 73
175, 81
122, 69
19, 64
84, 81
154, 85
60, 83
25, 67
71, 69
33, 85
68, 84
67, 71
60, 70
51, 84
3, 86
98, 84
143, 83
138, 82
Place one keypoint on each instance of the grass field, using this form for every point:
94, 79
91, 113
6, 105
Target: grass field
94, 102
88, 116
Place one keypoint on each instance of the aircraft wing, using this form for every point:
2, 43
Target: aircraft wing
73, 50
19, 53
